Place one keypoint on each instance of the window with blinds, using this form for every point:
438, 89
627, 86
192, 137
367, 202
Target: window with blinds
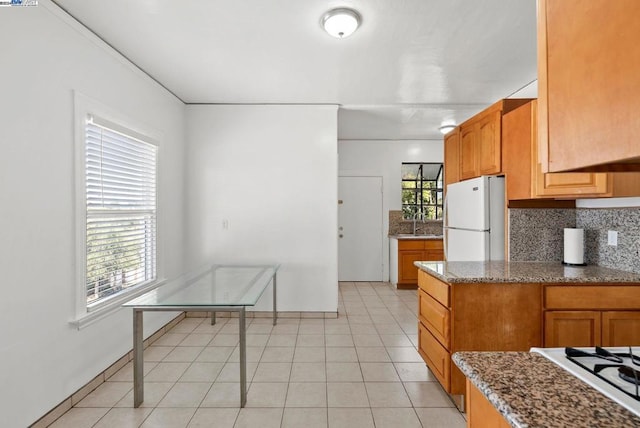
120, 183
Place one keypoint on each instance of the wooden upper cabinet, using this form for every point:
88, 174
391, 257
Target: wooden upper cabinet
452, 157
571, 184
522, 166
489, 144
468, 157
589, 85
481, 140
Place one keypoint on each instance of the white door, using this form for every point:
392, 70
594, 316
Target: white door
360, 228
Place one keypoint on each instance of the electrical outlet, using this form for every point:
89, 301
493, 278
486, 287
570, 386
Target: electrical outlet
612, 238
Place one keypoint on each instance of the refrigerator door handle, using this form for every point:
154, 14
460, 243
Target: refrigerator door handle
469, 230
445, 226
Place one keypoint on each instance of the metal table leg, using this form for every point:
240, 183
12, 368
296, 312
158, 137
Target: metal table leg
243, 357
213, 318
275, 312
138, 359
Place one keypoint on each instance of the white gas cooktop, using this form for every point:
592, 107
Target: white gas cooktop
607, 380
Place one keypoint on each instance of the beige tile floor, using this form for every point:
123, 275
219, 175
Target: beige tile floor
360, 370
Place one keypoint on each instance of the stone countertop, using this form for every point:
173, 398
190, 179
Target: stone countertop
530, 391
524, 272
403, 236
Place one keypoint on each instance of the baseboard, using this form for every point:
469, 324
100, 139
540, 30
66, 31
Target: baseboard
59, 410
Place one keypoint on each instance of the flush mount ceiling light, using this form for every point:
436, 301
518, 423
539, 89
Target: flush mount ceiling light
445, 129
341, 22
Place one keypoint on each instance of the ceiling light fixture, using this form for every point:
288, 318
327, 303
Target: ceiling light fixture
341, 22
445, 129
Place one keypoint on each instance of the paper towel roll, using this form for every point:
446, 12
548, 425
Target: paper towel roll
574, 246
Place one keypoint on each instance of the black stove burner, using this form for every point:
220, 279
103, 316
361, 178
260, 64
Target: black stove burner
629, 374
584, 359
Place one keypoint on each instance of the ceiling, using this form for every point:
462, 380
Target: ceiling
412, 64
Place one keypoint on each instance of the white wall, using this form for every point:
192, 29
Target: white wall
46, 56
384, 159
271, 173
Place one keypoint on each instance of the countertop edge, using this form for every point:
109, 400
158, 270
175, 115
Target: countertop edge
485, 389
606, 276
543, 395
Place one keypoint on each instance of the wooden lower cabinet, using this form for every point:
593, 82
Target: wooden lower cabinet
620, 328
407, 271
590, 315
480, 412
435, 316
416, 250
455, 317
436, 356
474, 317
572, 328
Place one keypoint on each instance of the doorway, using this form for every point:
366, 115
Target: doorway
360, 237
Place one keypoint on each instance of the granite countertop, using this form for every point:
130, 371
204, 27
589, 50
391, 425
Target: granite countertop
530, 391
402, 236
524, 272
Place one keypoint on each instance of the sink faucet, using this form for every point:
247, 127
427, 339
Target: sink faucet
417, 216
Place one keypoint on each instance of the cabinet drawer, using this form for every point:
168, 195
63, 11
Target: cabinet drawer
435, 317
410, 244
592, 297
434, 287
433, 244
436, 356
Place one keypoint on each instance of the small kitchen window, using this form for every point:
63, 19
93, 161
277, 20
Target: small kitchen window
422, 187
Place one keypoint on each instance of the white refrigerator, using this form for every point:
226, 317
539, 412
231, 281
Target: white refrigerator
474, 220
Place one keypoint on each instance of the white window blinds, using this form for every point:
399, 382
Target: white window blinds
120, 184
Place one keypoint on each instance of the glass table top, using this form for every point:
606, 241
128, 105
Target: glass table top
210, 285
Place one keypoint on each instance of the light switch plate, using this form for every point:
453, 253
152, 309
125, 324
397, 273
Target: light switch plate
612, 238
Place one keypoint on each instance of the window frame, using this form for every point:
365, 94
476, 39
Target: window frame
87, 313
419, 190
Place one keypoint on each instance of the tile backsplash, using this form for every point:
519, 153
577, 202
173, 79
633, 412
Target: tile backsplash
537, 235
597, 222
397, 225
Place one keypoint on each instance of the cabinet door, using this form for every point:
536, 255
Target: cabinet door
489, 144
435, 255
452, 157
407, 272
433, 250
468, 156
620, 328
436, 356
589, 85
572, 328
572, 184
480, 412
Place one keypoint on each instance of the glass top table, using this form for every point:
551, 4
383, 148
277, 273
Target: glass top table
211, 288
